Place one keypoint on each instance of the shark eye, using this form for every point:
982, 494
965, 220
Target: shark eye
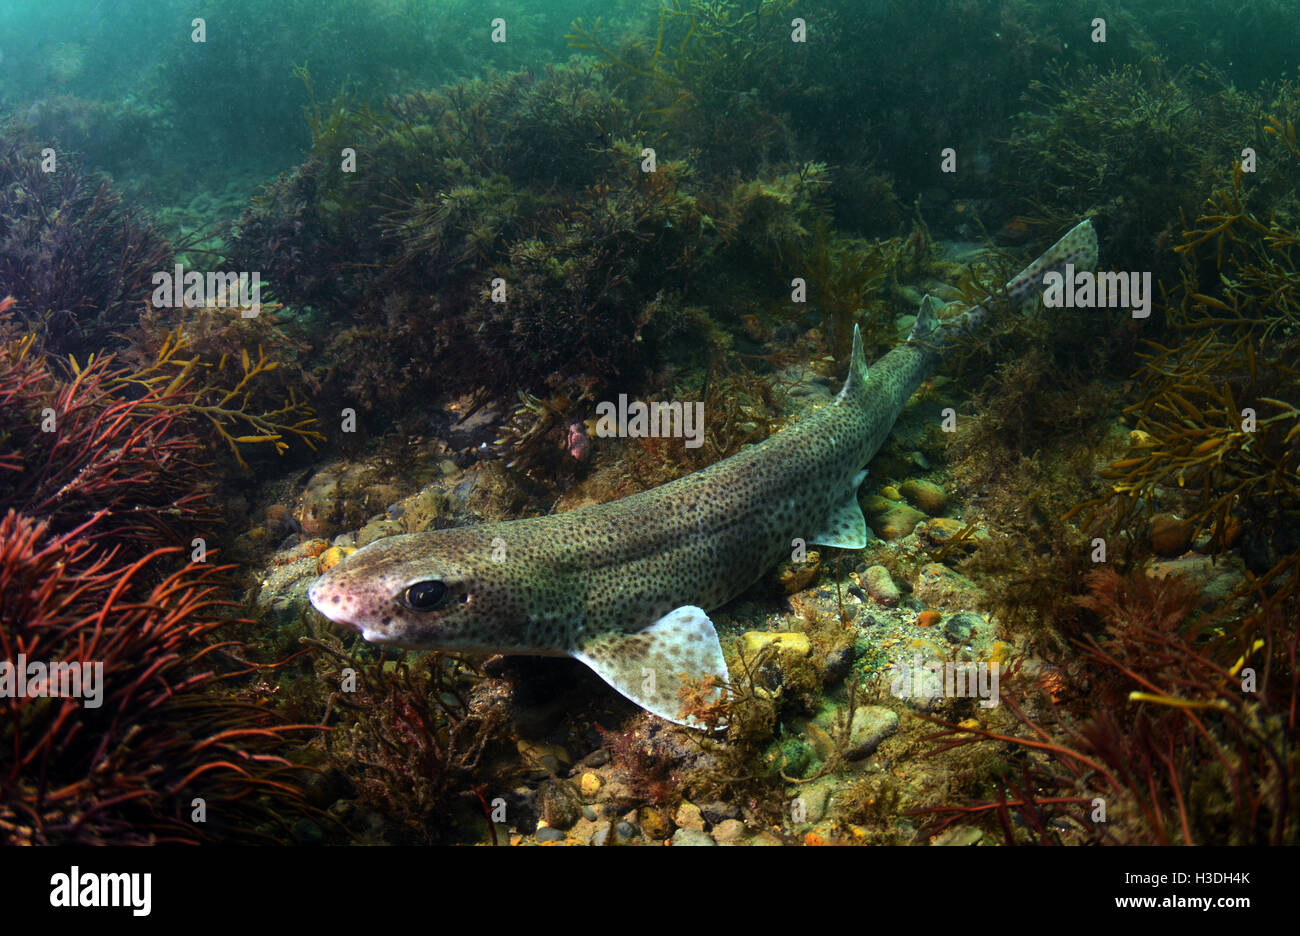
424, 596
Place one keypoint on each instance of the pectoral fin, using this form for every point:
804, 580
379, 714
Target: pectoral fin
845, 527
648, 666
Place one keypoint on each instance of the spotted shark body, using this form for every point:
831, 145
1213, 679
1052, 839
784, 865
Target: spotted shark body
625, 586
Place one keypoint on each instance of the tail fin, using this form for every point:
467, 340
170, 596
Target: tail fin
1078, 246
927, 319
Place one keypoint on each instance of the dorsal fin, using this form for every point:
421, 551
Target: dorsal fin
856, 382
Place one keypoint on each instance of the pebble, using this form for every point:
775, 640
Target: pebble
796, 576
590, 784
1170, 536
654, 822
549, 834
959, 627
880, 586
688, 817
600, 834
559, 803
730, 832
897, 522
926, 496
692, 837
786, 642
625, 832
939, 586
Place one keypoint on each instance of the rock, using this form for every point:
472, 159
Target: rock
1215, 578
838, 664
786, 642
959, 627
589, 813
730, 832
926, 496
600, 834
692, 837
871, 725
689, 817
796, 576
543, 760
958, 835
928, 618
549, 834
425, 509
379, 529
559, 803
812, 800
332, 557
590, 784
896, 522
889, 492
939, 586
1170, 536
880, 586
654, 822
940, 530
875, 505
625, 831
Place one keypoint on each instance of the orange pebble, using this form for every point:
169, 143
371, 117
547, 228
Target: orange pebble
812, 838
928, 618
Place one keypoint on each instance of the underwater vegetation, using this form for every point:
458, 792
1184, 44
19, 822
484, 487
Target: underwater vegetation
76, 258
1169, 749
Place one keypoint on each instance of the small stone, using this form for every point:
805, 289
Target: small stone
796, 576
959, 627
786, 642
590, 784
654, 822
1000, 652
730, 832
331, 557
692, 837
600, 834
549, 834
896, 522
889, 492
377, 530
880, 586
928, 618
871, 725
939, 586
926, 496
940, 530
875, 505
1170, 536
625, 832
715, 811
589, 813
689, 817
838, 663
559, 802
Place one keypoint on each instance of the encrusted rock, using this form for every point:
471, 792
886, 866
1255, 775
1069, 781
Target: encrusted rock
925, 495
880, 586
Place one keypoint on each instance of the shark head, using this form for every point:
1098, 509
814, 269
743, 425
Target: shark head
446, 589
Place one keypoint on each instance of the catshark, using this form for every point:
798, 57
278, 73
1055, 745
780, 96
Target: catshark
625, 586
